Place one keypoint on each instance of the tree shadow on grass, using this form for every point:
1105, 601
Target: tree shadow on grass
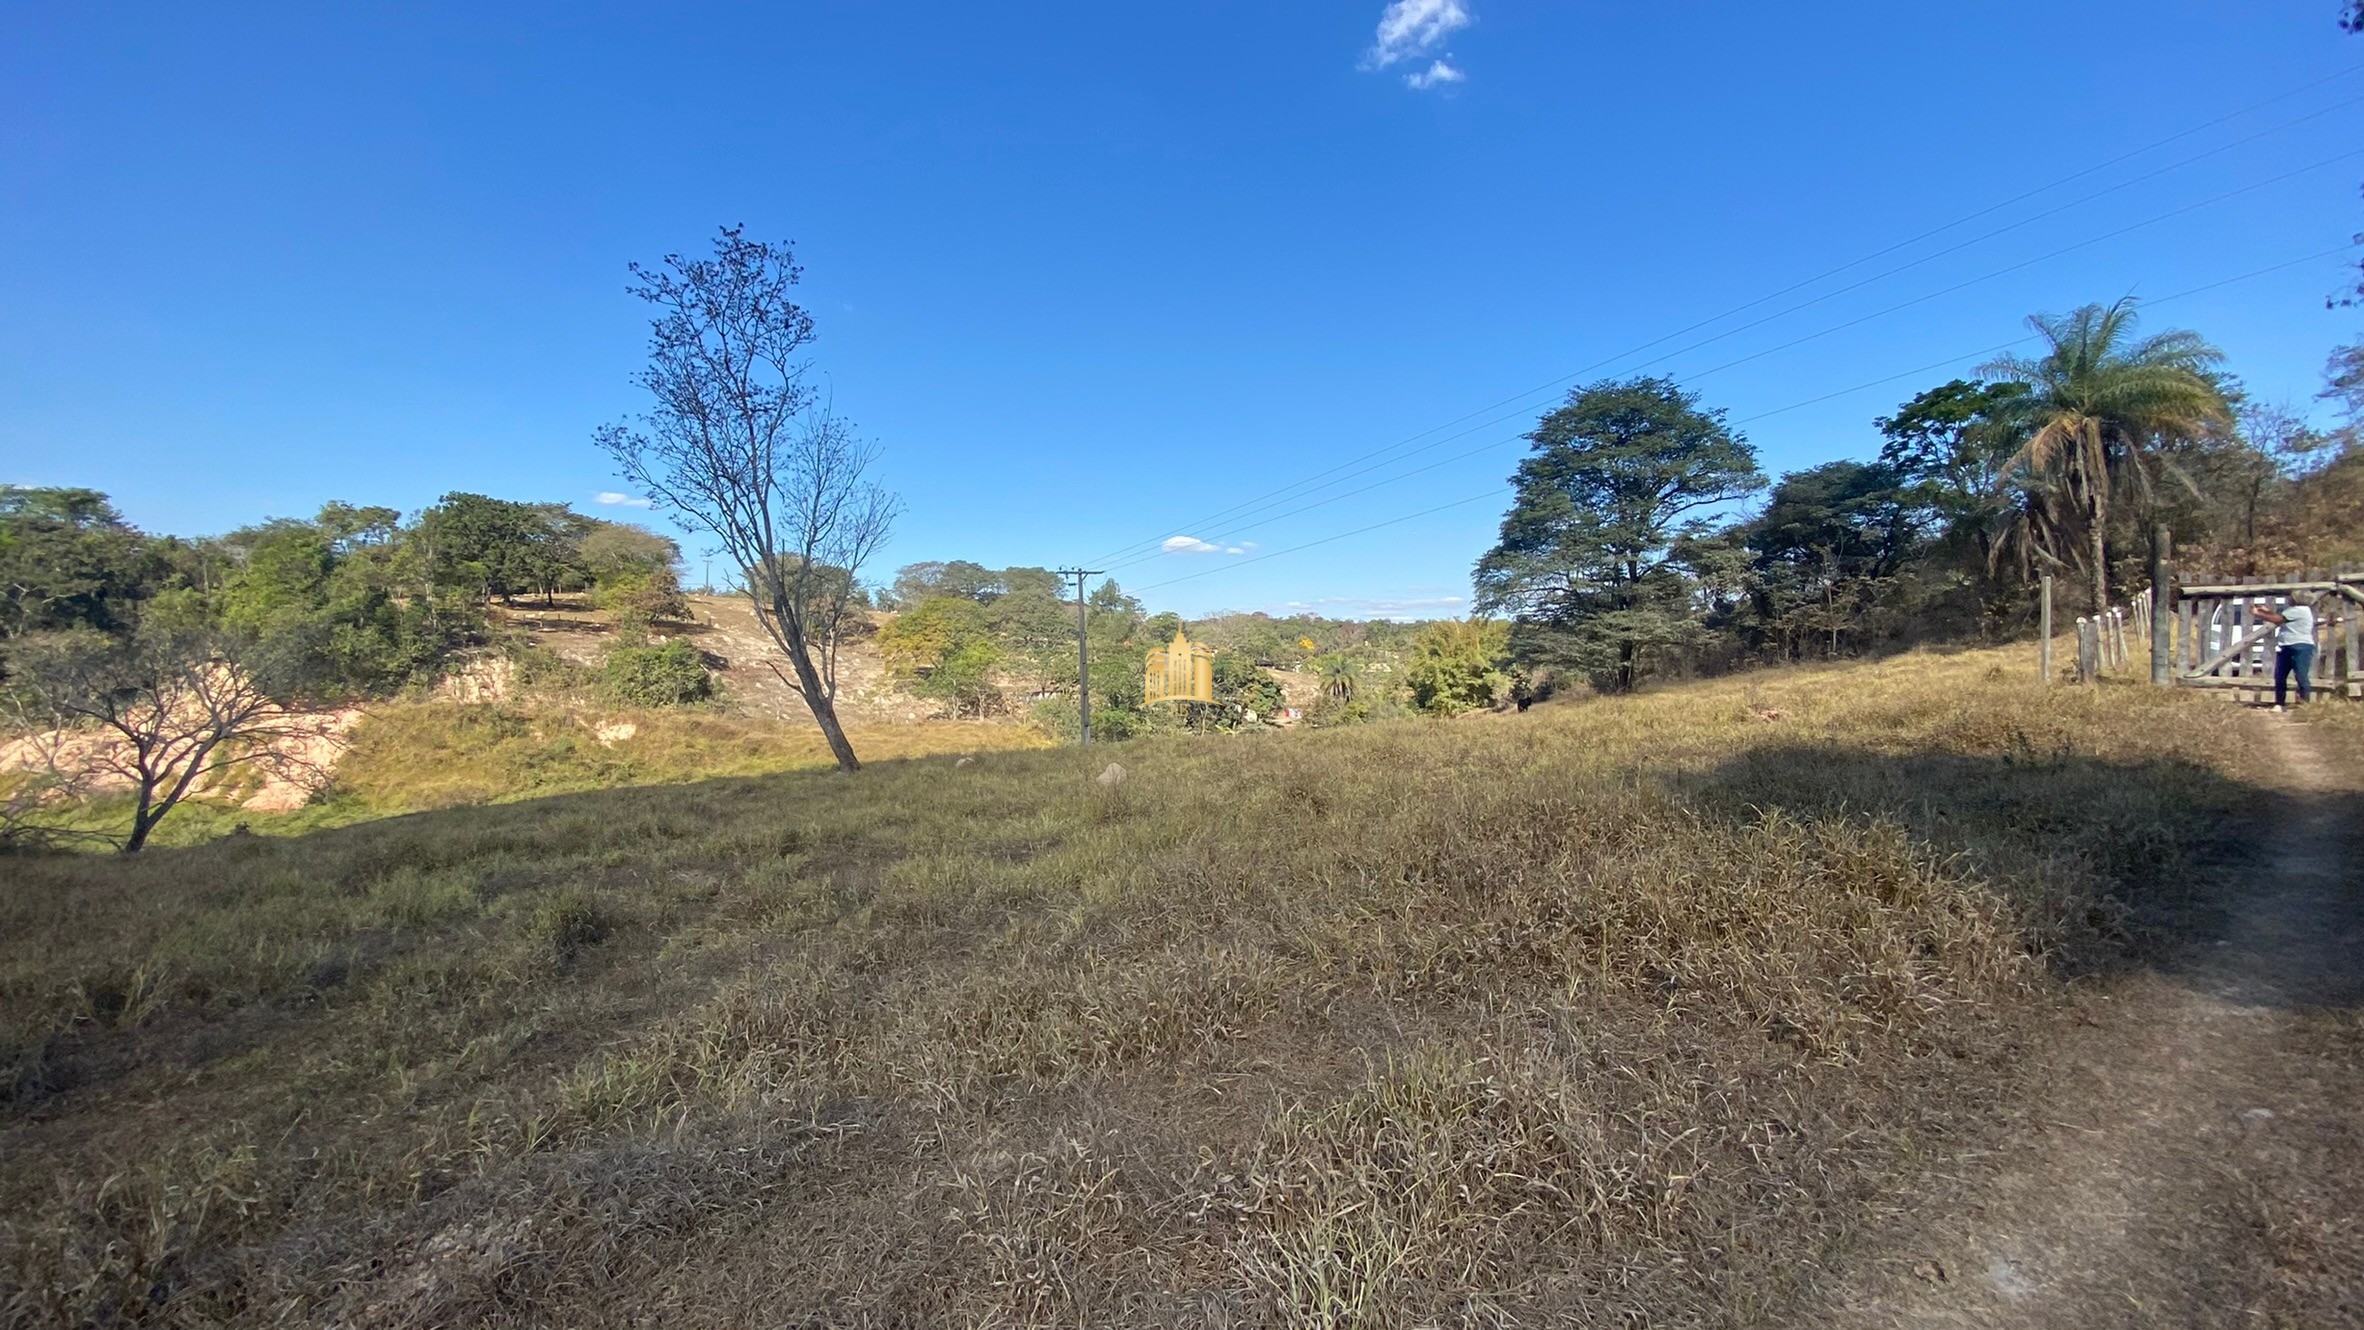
2254, 894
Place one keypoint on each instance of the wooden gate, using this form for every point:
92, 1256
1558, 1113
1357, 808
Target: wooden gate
2219, 642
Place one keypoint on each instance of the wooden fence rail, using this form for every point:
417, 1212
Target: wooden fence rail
2219, 642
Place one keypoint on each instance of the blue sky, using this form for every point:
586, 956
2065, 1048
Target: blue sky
1090, 274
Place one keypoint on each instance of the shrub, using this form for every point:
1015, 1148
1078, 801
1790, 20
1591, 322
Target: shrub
670, 675
540, 669
645, 596
1457, 666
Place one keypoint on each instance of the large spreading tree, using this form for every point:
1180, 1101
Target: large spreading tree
738, 444
1592, 560
167, 709
68, 560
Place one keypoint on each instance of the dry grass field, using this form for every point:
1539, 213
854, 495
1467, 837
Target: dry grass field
1635, 1011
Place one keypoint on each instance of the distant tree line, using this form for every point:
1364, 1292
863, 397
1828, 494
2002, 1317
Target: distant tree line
1636, 544
984, 641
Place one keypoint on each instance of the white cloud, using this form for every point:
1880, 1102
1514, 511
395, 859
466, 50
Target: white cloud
1437, 72
1378, 607
615, 500
1193, 545
1412, 29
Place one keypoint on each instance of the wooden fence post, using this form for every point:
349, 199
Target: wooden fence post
2044, 632
2162, 597
2088, 649
2238, 667
2355, 641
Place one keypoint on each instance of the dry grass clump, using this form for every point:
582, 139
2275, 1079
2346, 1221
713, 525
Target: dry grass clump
1623, 1010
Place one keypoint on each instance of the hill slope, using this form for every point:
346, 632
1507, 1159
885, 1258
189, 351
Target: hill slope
1633, 1009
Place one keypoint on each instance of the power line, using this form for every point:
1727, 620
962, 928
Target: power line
1316, 481
1811, 401
1262, 514
1496, 492
1351, 471
2012, 268
2001, 347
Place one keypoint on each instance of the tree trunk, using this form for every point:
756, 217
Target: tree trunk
141, 824
2101, 568
816, 697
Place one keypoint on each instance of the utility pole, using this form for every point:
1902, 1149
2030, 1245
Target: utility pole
1083, 647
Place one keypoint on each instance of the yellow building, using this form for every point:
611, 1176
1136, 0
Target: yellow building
1180, 671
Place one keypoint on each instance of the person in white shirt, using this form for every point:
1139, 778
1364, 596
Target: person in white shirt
2294, 649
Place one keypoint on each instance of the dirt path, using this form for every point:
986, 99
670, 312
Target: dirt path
2195, 1152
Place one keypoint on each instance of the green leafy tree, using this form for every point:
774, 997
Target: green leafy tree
1033, 626
69, 560
354, 528
1828, 549
971, 581
1023, 580
499, 547
1591, 557
2343, 383
1952, 446
919, 637
1121, 636
332, 589
1244, 689
632, 570
282, 577
2099, 406
963, 678
607, 551
649, 597
1459, 665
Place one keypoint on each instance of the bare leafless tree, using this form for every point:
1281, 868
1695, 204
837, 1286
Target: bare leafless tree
162, 713
39, 775
739, 445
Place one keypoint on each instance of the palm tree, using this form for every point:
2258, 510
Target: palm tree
1338, 676
2099, 402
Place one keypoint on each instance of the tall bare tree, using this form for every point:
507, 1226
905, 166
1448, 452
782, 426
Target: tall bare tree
738, 445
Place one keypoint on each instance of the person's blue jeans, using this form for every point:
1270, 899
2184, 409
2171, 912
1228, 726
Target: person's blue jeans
2294, 660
